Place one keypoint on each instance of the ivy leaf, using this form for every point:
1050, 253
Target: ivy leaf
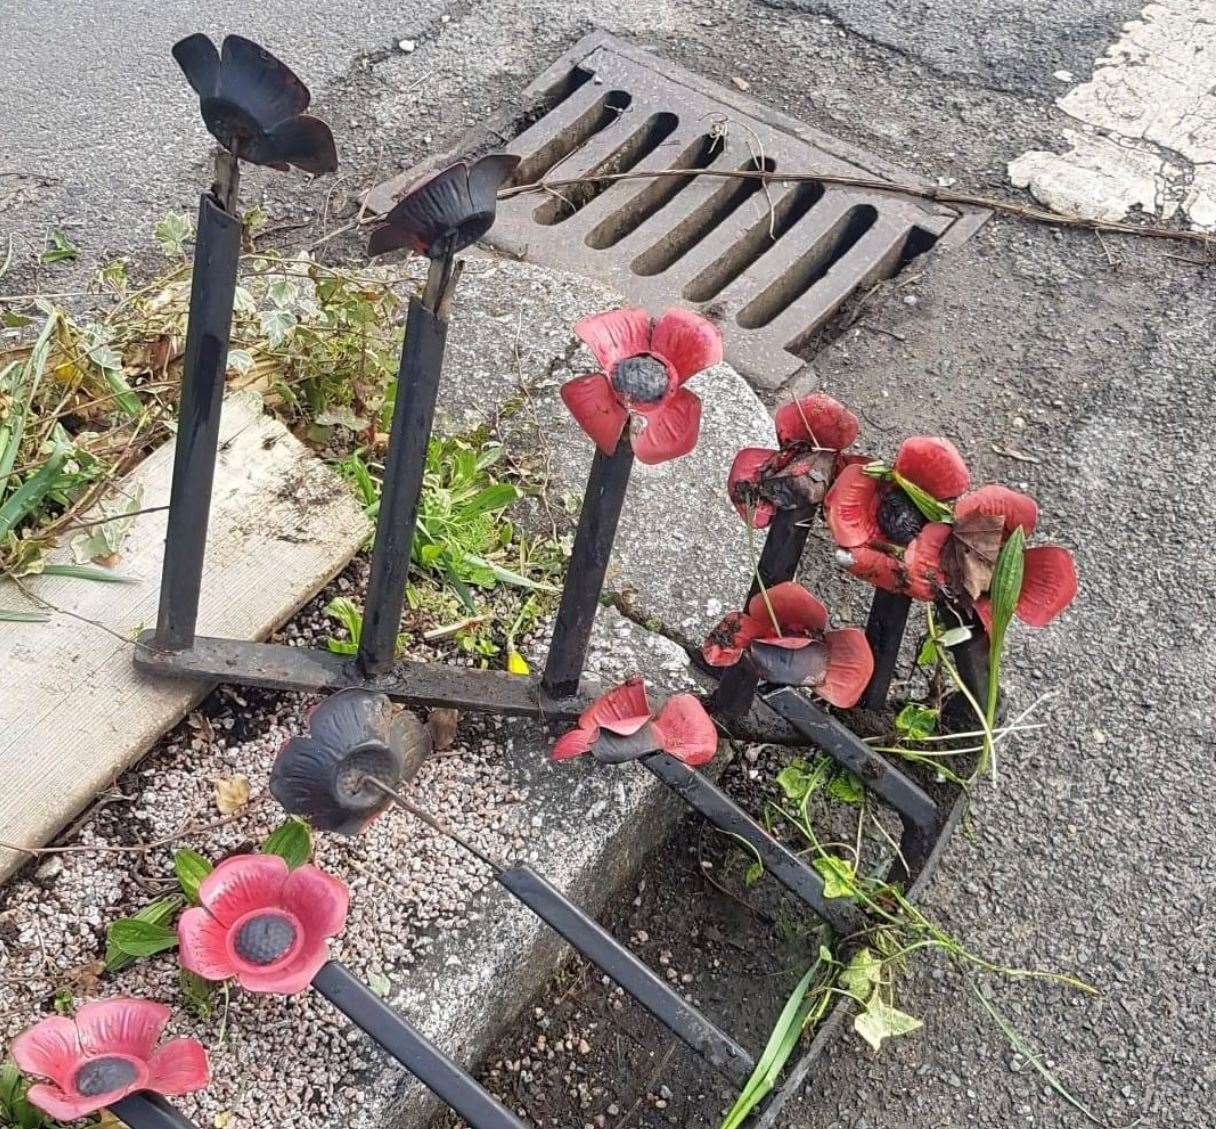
846, 788
837, 876
291, 841
191, 868
916, 722
796, 780
172, 232
923, 500
882, 1021
861, 974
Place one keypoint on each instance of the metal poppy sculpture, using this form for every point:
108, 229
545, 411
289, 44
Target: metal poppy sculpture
253, 105
106, 1056
353, 735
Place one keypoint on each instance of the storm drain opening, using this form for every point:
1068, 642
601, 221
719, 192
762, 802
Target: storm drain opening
774, 263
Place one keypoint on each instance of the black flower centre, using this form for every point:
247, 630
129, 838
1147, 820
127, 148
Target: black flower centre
351, 787
103, 1076
265, 938
898, 517
643, 379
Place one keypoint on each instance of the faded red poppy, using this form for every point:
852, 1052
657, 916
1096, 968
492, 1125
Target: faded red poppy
811, 434
885, 537
105, 1052
785, 633
620, 726
262, 923
645, 366
1049, 579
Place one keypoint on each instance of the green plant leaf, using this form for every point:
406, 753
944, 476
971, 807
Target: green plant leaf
197, 993
796, 780
135, 938
916, 722
86, 572
846, 788
157, 913
838, 877
292, 841
861, 974
25, 499
928, 653
58, 248
923, 500
191, 868
172, 232
882, 1021
954, 636
9, 616
492, 498
1006, 584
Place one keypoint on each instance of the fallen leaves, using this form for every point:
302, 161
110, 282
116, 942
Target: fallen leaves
231, 793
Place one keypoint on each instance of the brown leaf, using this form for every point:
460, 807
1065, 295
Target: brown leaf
231, 793
970, 554
443, 724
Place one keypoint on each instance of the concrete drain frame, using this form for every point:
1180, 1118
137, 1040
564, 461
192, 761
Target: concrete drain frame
777, 266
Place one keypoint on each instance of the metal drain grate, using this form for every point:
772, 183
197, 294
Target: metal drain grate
773, 268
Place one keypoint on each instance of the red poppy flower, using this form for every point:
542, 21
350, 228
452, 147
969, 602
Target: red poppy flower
1049, 579
262, 923
620, 726
885, 537
645, 366
811, 434
105, 1052
791, 646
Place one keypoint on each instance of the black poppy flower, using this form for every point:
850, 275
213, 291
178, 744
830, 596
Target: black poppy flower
620, 726
106, 1051
446, 212
784, 630
254, 105
351, 735
812, 433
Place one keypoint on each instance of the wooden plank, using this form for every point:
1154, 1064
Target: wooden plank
74, 712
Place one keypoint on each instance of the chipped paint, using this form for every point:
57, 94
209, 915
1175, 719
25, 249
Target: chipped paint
1147, 136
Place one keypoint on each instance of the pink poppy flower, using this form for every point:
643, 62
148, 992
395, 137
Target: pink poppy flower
1049, 579
791, 645
645, 366
105, 1052
263, 924
885, 538
620, 726
811, 434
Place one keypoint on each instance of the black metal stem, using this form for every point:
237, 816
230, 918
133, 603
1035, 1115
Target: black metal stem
216, 256
970, 659
426, 1062
783, 547
597, 522
736, 691
413, 417
703, 796
149, 1111
615, 960
885, 631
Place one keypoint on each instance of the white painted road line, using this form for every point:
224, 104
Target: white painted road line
1146, 136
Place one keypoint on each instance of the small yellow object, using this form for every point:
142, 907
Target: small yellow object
516, 663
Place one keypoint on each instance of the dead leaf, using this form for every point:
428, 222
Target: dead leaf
1010, 453
231, 793
85, 978
741, 83
443, 724
969, 556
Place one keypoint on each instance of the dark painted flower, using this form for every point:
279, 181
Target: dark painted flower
785, 634
254, 105
262, 923
811, 435
885, 537
620, 726
447, 211
1049, 577
105, 1052
645, 366
353, 734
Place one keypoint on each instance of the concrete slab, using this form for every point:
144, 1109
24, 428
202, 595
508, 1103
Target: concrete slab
73, 712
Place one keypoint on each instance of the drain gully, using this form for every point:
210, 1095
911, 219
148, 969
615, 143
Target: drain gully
774, 268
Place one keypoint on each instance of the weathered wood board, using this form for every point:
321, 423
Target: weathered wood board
73, 711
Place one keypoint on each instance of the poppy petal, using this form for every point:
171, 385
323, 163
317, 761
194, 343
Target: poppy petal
797, 611
318, 900
725, 644
241, 884
260, 83
291, 978
850, 667
745, 473
790, 662
49, 1049
350, 718
670, 432
1049, 584
623, 710
983, 609
596, 409
819, 420
121, 1026
923, 561
934, 464
686, 731
64, 1106
878, 568
203, 945
487, 175
851, 506
575, 743
305, 142
688, 342
199, 61
999, 501
178, 1067
615, 334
